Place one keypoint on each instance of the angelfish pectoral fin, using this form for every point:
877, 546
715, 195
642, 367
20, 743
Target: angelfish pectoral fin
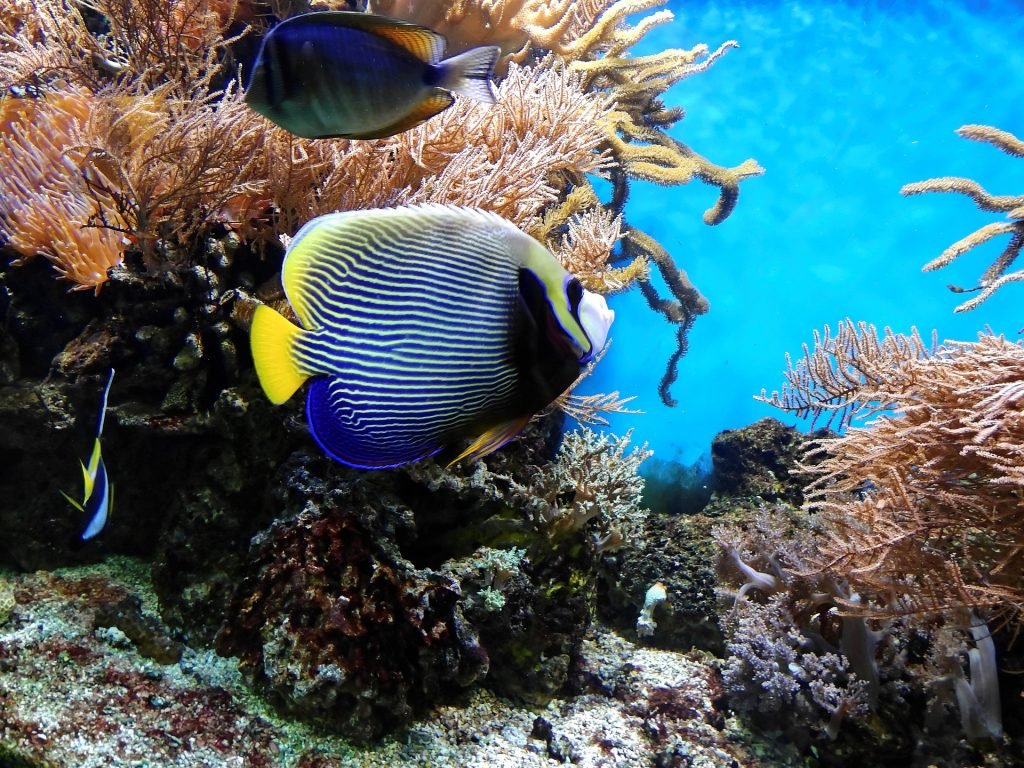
493, 439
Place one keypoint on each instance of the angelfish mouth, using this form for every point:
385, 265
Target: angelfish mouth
595, 319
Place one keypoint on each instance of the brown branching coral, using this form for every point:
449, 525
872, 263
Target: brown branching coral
850, 374
924, 508
173, 163
153, 151
521, 28
996, 276
173, 148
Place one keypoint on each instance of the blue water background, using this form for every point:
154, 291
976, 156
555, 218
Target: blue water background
842, 104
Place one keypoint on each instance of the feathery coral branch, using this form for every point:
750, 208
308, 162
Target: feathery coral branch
923, 507
996, 275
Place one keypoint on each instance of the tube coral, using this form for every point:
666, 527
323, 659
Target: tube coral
996, 276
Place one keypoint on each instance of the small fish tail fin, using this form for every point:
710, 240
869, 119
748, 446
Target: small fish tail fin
272, 338
469, 74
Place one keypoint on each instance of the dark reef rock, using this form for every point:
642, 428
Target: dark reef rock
759, 460
374, 593
343, 616
333, 627
677, 551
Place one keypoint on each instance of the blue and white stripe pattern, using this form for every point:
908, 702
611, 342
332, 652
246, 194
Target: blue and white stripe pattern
410, 321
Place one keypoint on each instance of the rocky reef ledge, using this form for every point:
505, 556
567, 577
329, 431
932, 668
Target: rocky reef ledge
89, 677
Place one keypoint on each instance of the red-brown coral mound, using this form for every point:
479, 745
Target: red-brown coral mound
333, 628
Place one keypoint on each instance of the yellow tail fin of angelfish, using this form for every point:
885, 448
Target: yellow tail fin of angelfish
272, 338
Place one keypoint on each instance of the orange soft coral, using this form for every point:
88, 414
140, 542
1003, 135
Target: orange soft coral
50, 194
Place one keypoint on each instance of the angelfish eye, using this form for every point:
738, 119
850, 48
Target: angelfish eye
574, 292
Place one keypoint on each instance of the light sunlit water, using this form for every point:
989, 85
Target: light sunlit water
842, 104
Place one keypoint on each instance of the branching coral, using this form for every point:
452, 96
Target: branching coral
772, 671
570, 28
848, 375
166, 148
514, 158
147, 151
924, 505
996, 276
174, 162
594, 477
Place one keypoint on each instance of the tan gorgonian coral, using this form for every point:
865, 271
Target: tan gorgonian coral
161, 41
47, 198
173, 164
996, 276
848, 375
924, 507
521, 28
168, 148
19, 19
157, 153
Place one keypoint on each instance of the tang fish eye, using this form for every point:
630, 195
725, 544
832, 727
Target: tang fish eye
574, 292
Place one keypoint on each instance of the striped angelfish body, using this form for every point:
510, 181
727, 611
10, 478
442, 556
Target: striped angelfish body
416, 330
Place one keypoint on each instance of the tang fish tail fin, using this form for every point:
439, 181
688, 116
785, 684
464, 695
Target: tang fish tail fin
469, 74
272, 338
493, 439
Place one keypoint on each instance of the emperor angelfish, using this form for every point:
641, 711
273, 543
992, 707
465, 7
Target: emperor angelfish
346, 74
423, 326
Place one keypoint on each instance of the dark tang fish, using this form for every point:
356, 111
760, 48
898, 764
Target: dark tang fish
341, 73
423, 326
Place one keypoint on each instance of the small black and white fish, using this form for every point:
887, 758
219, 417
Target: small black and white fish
98, 498
357, 75
423, 326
